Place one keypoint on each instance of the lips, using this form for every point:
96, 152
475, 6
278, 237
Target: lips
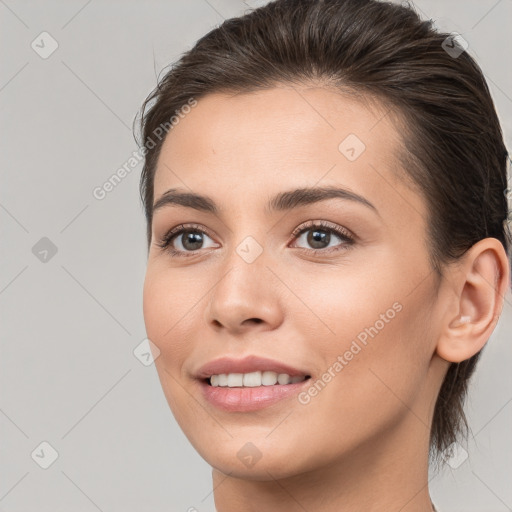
241, 399
248, 364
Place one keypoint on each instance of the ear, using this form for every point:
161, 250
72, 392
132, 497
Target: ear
480, 282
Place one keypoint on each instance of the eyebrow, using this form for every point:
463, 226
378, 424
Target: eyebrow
282, 201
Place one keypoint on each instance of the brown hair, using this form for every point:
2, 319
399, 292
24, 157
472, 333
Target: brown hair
453, 146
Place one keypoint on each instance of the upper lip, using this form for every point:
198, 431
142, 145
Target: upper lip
247, 364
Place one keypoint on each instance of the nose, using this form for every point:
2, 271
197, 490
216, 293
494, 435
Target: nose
246, 297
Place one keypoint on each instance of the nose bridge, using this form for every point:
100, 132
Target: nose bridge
245, 273
249, 240
245, 289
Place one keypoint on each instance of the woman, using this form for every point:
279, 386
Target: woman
325, 193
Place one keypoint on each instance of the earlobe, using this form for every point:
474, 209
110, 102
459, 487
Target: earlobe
480, 283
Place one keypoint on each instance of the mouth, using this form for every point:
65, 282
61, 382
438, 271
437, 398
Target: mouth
250, 384
253, 379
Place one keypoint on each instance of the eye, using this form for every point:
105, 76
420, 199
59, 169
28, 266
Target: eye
188, 238
319, 235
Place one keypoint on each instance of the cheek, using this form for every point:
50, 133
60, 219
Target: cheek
155, 305
166, 312
167, 307
376, 354
345, 306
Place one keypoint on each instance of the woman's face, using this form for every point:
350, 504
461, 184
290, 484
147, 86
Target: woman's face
354, 310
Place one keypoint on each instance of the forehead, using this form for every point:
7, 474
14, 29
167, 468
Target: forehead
283, 122
230, 145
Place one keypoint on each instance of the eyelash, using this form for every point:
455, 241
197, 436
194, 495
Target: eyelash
345, 235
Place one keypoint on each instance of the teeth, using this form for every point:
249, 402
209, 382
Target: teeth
235, 379
253, 379
283, 378
269, 378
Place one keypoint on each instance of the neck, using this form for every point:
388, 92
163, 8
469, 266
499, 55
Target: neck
388, 473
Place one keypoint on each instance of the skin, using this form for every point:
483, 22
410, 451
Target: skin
362, 442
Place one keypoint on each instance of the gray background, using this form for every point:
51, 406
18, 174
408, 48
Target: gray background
70, 324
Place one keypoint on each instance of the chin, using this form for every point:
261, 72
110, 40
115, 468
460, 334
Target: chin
260, 459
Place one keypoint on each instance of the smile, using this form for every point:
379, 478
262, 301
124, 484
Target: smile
249, 384
254, 379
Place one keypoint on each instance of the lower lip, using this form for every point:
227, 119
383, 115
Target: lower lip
249, 399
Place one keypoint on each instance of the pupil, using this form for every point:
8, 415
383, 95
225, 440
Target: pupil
318, 236
192, 238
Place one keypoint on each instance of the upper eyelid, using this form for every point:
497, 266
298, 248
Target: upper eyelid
336, 228
303, 226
